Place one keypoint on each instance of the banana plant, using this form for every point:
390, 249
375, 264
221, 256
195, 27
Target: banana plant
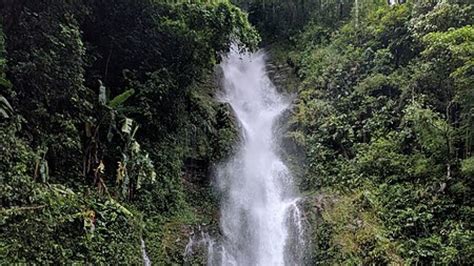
111, 109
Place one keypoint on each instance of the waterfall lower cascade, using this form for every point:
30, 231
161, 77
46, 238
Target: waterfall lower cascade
260, 220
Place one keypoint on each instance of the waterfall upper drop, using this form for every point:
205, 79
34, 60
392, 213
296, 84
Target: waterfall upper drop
260, 220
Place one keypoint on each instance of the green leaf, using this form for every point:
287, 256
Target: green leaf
120, 99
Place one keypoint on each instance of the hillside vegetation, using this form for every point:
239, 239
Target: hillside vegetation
108, 126
385, 115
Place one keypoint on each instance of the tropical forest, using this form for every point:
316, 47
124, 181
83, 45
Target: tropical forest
236, 132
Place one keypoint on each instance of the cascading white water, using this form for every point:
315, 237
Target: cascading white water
146, 259
260, 219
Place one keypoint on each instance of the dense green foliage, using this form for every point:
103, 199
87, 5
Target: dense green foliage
107, 120
279, 21
385, 116
108, 129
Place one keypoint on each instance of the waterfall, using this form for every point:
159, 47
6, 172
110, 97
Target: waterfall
357, 12
260, 218
146, 259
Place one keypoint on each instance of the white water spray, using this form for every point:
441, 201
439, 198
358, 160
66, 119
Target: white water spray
260, 219
146, 259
